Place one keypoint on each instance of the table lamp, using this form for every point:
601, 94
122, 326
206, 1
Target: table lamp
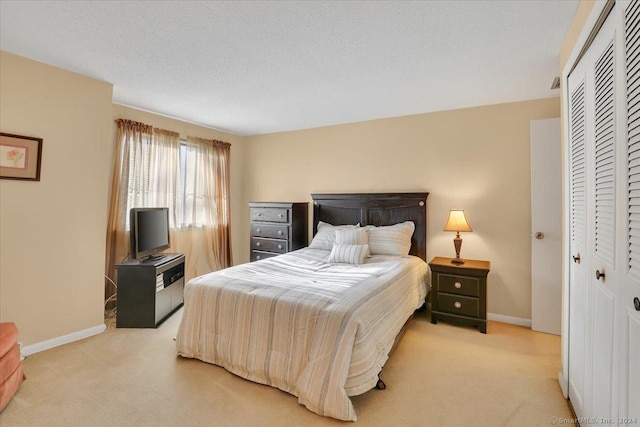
457, 222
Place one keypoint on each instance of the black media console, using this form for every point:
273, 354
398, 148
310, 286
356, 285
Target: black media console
149, 291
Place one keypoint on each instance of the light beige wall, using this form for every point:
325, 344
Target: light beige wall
239, 227
52, 232
476, 158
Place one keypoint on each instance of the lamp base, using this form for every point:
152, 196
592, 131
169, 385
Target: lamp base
457, 243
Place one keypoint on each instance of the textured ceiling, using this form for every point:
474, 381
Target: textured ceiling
250, 67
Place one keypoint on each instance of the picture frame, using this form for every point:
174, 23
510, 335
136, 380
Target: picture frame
20, 157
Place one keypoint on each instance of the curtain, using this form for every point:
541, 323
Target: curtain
205, 231
130, 136
153, 168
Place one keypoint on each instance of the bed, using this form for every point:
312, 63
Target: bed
319, 330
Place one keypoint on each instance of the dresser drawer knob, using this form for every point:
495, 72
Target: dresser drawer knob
258, 244
280, 215
457, 304
279, 246
457, 285
258, 214
258, 230
257, 256
279, 232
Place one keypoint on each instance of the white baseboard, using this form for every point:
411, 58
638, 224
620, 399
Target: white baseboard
508, 319
564, 384
65, 339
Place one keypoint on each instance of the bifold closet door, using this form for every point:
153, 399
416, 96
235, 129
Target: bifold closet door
578, 181
604, 191
594, 127
603, 274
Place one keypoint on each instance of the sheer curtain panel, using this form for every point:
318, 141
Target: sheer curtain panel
130, 136
204, 225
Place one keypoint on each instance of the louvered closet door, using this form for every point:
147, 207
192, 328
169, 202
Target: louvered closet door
578, 239
629, 218
603, 273
604, 172
594, 120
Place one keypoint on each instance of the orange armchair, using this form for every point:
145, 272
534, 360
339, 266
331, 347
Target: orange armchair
11, 372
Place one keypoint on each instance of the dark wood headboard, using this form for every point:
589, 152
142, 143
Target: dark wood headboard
375, 209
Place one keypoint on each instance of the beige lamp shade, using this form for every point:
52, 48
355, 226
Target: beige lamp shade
457, 221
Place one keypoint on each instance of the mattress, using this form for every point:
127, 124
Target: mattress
317, 330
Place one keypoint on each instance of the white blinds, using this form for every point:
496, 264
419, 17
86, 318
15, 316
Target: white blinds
632, 37
577, 155
604, 155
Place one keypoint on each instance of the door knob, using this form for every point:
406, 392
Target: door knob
600, 274
539, 235
576, 259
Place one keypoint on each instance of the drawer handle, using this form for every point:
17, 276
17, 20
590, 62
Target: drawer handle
457, 304
257, 256
258, 230
280, 215
279, 246
258, 214
258, 244
457, 285
279, 232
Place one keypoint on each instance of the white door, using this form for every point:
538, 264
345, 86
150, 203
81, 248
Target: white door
604, 218
604, 277
546, 226
593, 276
578, 310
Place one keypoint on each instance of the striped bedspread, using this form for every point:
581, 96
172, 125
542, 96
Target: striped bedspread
319, 331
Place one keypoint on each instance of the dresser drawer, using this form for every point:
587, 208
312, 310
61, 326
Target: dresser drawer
269, 245
460, 285
274, 231
258, 255
270, 214
457, 304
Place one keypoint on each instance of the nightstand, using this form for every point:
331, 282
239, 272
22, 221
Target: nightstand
459, 292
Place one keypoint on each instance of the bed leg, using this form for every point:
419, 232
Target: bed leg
380, 385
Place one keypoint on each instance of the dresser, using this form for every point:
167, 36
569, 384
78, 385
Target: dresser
277, 228
459, 292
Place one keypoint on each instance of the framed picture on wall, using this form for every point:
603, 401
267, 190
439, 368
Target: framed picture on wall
20, 157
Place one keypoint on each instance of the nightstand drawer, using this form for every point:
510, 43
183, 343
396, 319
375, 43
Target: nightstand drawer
457, 304
454, 284
270, 214
275, 231
258, 255
269, 245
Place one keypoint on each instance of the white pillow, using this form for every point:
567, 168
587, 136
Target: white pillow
353, 236
391, 239
326, 235
348, 254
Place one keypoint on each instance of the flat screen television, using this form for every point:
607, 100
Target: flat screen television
149, 232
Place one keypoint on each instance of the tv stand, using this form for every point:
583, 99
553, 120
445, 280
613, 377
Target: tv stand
149, 290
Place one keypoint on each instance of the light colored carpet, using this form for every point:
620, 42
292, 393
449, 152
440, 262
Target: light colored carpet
438, 375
